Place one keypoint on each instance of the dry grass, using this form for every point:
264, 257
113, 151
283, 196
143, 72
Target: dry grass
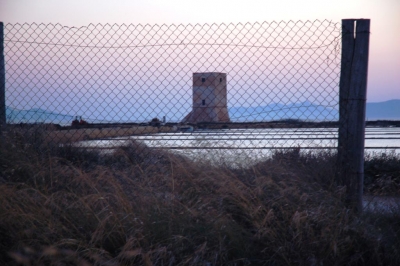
382, 173
74, 135
141, 206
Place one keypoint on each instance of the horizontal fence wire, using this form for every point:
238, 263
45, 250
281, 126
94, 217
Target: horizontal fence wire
270, 85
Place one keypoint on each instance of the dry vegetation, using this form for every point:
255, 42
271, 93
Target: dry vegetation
74, 134
141, 206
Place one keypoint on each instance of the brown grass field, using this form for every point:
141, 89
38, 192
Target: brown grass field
142, 206
79, 134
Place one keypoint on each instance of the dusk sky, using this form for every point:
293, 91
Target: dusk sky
384, 61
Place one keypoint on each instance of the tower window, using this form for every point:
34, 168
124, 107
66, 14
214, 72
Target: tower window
203, 102
203, 79
220, 80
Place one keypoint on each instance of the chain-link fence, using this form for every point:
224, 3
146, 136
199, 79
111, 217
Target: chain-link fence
255, 86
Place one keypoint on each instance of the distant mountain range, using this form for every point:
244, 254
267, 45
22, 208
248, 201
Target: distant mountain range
389, 110
306, 111
37, 115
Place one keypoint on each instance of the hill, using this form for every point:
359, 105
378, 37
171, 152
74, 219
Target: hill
388, 110
306, 111
36, 115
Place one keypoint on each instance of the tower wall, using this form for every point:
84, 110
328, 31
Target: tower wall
209, 98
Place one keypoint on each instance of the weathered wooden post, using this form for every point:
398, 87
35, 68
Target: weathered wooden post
352, 98
2, 81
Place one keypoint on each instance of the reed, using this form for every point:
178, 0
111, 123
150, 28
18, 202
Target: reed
143, 206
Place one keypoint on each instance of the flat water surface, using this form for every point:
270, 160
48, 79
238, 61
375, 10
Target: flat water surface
249, 144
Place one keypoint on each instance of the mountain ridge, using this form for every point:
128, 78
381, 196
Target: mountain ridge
387, 110
306, 111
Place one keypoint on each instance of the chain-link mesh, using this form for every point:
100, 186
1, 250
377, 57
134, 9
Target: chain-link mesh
213, 86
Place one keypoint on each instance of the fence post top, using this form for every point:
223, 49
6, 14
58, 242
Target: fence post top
356, 19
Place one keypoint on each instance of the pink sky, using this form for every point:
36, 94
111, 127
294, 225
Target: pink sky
384, 61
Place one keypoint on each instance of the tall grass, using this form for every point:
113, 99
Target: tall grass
143, 206
382, 173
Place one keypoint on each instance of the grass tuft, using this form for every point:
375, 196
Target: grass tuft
143, 206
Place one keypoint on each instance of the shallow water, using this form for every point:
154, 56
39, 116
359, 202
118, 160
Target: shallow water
250, 145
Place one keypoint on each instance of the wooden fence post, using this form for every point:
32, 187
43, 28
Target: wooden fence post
352, 99
2, 81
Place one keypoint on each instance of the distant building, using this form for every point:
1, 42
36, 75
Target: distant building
209, 98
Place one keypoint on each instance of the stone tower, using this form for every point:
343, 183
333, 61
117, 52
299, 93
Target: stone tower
209, 98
